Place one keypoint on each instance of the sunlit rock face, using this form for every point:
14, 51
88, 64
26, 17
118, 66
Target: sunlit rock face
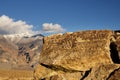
79, 56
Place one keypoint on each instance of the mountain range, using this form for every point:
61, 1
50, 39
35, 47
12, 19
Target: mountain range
20, 52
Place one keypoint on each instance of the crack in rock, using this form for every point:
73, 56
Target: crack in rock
59, 68
113, 72
86, 74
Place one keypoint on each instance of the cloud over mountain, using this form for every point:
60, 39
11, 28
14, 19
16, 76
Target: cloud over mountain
9, 26
52, 28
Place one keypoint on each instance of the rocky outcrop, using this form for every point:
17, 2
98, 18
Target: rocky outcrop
85, 55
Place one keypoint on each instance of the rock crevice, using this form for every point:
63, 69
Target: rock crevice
114, 53
112, 73
86, 74
59, 68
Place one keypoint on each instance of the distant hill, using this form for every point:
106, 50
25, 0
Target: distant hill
21, 52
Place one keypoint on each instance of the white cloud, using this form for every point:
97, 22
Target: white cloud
9, 26
52, 28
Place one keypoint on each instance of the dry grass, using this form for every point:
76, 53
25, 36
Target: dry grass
16, 74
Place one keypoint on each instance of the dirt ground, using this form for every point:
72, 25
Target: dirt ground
6, 73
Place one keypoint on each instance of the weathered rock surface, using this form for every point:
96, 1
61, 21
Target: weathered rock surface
51, 73
73, 51
102, 72
85, 55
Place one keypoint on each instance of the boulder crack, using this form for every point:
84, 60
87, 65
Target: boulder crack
59, 68
113, 72
86, 74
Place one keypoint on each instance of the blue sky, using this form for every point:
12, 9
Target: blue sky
71, 15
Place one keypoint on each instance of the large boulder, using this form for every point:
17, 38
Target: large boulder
89, 55
78, 51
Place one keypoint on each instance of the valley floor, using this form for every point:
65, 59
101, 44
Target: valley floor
6, 73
